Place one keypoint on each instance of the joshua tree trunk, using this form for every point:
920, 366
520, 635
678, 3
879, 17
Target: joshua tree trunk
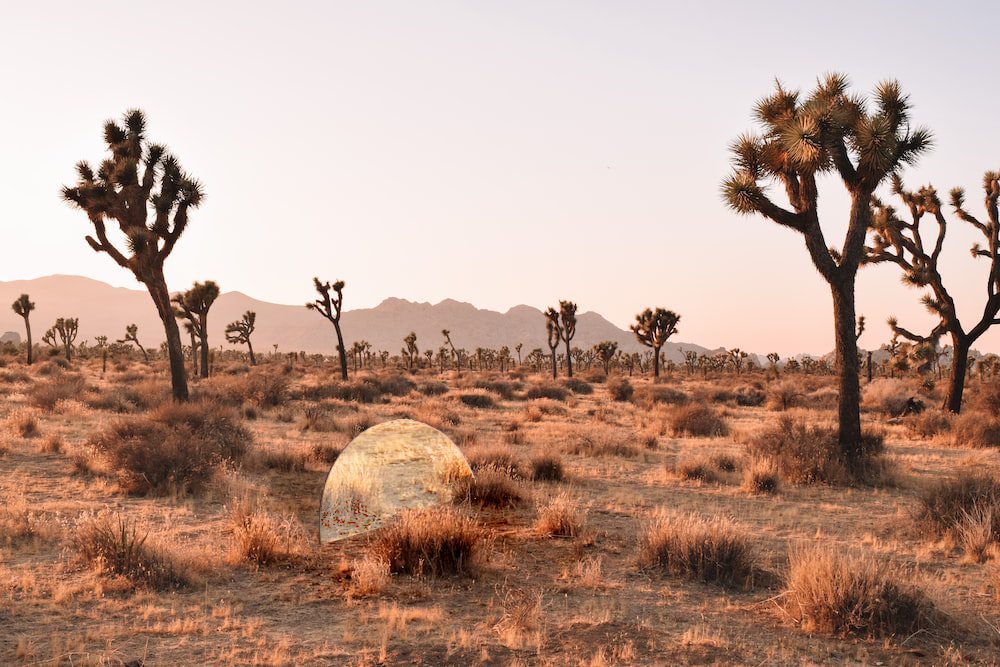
253, 359
27, 331
161, 297
960, 346
340, 350
849, 415
656, 363
204, 344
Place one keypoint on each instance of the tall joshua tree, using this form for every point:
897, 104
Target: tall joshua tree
240, 330
652, 328
606, 352
193, 306
830, 131
23, 307
567, 311
132, 336
411, 350
66, 328
901, 242
329, 307
143, 189
554, 330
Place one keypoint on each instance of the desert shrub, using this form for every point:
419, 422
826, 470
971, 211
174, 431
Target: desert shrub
652, 394
370, 575
707, 550
24, 423
805, 454
724, 462
356, 425
504, 390
15, 377
578, 386
987, 397
17, 521
265, 388
431, 541
549, 391
46, 394
498, 457
620, 389
176, 448
600, 443
547, 468
316, 417
477, 400
886, 395
786, 394
119, 546
942, 507
929, 423
973, 429
325, 452
396, 385
54, 444
750, 396
560, 517
366, 391
283, 460
852, 595
696, 469
698, 419
260, 537
433, 388
761, 476
490, 487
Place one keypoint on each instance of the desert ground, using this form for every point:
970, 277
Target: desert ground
613, 521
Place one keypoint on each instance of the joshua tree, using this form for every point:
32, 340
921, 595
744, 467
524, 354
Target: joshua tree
66, 328
23, 307
102, 345
142, 188
652, 328
131, 336
329, 307
554, 330
240, 330
902, 243
773, 358
410, 350
737, 358
518, 348
193, 305
454, 352
567, 311
830, 131
606, 352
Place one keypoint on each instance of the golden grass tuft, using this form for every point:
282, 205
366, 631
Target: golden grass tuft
434, 541
260, 537
699, 420
119, 546
561, 516
489, 487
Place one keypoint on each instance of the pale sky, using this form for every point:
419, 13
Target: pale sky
492, 152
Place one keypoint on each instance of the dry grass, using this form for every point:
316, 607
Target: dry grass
707, 550
699, 420
761, 476
489, 487
17, 521
966, 508
561, 516
436, 541
260, 537
975, 429
852, 595
118, 546
547, 468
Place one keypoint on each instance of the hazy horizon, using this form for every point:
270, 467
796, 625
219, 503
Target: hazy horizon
491, 154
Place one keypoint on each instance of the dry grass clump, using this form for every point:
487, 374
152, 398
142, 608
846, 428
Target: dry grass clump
600, 443
620, 389
852, 595
786, 394
260, 537
560, 517
174, 449
17, 522
975, 429
929, 423
889, 396
434, 541
497, 456
552, 392
653, 394
119, 547
966, 508
134, 396
707, 550
505, 390
761, 476
547, 468
810, 454
324, 452
370, 575
747, 396
260, 387
578, 386
366, 390
698, 419
477, 400
24, 423
489, 487
46, 394
698, 468
433, 388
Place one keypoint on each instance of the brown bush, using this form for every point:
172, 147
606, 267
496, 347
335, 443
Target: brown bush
46, 394
551, 392
433, 388
761, 476
852, 595
578, 386
260, 537
620, 389
176, 448
943, 507
118, 546
707, 550
490, 487
974, 429
929, 423
698, 419
499, 457
652, 394
547, 468
560, 517
600, 443
477, 400
431, 541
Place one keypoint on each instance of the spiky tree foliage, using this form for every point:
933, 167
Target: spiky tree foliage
567, 313
330, 307
652, 328
554, 331
829, 131
132, 336
66, 328
902, 242
605, 351
239, 332
410, 350
193, 306
23, 307
143, 189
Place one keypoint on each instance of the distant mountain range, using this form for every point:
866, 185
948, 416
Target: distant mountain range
106, 310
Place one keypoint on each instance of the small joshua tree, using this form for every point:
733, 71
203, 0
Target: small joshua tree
151, 207
554, 330
902, 243
567, 311
23, 307
240, 330
606, 352
102, 345
410, 350
330, 307
66, 328
132, 336
652, 328
454, 353
193, 305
